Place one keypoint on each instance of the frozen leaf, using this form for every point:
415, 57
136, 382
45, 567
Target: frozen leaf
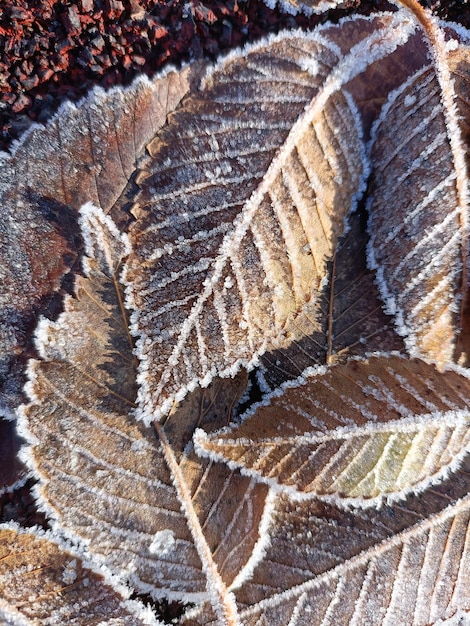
345, 320
406, 564
88, 151
138, 497
100, 142
242, 205
43, 584
419, 236
355, 433
239, 254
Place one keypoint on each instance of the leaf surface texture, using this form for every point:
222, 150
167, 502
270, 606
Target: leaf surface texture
363, 430
149, 509
87, 152
286, 241
231, 241
44, 584
345, 320
421, 275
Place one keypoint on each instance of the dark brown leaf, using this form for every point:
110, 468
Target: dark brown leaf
87, 152
346, 319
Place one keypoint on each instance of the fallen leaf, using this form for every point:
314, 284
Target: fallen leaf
327, 565
345, 320
404, 564
44, 584
354, 434
231, 240
236, 253
137, 496
87, 152
418, 237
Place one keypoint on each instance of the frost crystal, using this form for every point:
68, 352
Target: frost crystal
163, 542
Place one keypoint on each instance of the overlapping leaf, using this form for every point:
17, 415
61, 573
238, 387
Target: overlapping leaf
44, 585
345, 320
404, 564
243, 204
360, 431
138, 497
87, 152
419, 236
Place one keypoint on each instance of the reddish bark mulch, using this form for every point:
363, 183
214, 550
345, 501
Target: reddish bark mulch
54, 50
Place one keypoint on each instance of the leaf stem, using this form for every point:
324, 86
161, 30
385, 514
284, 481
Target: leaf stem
329, 350
422, 17
221, 599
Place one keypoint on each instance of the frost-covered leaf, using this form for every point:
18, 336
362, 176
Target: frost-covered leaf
239, 208
87, 152
359, 432
346, 319
42, 584
406, 564
419, 240
137, 497
243, 203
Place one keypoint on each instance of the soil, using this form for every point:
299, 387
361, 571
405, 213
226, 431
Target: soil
51, 51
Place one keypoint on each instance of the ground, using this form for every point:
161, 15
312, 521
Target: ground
51, 51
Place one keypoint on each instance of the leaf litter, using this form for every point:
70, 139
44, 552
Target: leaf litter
363, 485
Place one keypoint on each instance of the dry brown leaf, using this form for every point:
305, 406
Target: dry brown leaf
137, 496
346, 319
242, 206
418, 236
87, 152
354, 434
405, 564
42, 584
232, 244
